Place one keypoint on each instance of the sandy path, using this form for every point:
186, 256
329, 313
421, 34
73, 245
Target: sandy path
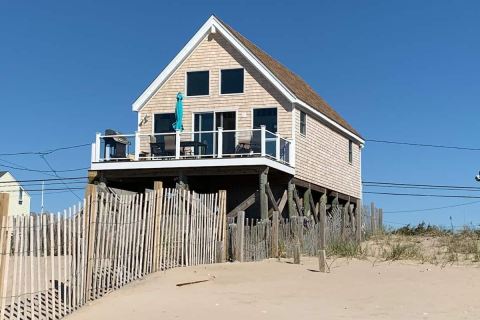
280, 290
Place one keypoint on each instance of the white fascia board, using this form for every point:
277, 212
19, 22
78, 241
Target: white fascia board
188, 49
192, 163
170, 68
331, 122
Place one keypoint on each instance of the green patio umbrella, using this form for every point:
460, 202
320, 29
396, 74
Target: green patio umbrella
178, 125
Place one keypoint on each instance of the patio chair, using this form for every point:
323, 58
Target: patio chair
116, 147
256, 142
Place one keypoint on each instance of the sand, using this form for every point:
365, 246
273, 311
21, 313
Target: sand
354, 289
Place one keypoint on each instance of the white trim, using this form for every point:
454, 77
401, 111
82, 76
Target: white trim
330, 121
220, 81
191, 45
186, 82
164, 164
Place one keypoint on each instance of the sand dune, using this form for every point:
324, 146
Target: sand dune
354, 289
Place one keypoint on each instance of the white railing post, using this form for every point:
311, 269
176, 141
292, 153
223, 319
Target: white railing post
291, 153
220, 142
94, 153
263, 140
177, 144
137, 146
277, 146
97, 147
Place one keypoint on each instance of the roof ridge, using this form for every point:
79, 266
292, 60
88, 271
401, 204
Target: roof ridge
291, 80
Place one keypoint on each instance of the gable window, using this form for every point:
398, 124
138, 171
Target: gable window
231, 81
198, 83
20, 196
303, 123
350, 151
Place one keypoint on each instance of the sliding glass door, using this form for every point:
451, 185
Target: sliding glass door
227, 121
210, 121
265, 117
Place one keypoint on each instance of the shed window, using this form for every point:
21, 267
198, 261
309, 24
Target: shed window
350, 151
231, 81
303, 123
198, 83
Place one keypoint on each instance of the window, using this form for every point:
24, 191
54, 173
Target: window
198, 83
231, 81
164, 122
20, 196
350, 151
303, 123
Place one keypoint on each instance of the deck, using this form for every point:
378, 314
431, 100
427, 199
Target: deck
195, 149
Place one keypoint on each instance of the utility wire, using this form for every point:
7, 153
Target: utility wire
45, 152
418, 185
423, 145
50, 179
39, 190
423, 195
473, 189
43, 156
43, 171
433, 209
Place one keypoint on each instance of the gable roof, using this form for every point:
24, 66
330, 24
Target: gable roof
2, 173
290, 84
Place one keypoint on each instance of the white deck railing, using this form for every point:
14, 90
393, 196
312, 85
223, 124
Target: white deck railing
180, 145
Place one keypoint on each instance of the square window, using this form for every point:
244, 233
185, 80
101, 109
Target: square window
231, 81
198, 83
303, 123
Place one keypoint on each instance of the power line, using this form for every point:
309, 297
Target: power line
43, 171
424, 145
435, 208
424, 188
39, 190
43, 156
423, 195
50, 179
418, 185
45, 152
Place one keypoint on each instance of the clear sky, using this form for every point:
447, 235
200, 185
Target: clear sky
396, 70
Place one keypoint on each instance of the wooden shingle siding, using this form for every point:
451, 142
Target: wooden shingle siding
215, 53
322, 158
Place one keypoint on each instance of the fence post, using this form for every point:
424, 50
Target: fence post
358, 221
240, 236
91, 217
222, 227
322, 256
372, 217
158, 192
275, 227
343, 230
380, 220
4, 202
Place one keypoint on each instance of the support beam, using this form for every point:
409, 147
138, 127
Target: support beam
314, 209
344, 222
272, 198
247, 203
299, 203
240, 236
281, 204
263, 195
307, 208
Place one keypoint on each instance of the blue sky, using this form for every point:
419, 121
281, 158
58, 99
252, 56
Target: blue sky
396, 70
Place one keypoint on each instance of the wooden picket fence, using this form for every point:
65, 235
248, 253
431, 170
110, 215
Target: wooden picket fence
52, 264
255, 240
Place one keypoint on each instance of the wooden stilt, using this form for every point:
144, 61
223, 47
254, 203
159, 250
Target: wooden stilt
263, 195
322, 240
292, 212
